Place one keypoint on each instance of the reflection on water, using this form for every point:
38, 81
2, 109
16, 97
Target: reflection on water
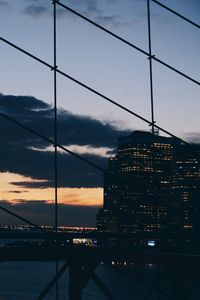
25, 280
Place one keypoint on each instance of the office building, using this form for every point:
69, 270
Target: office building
152, 191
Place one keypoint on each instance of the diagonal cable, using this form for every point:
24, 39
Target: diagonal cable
51, 141
128, 43
155, 285
53, 281
91, 90
102, 28
130, 276
103, 287
21, 218
176, 13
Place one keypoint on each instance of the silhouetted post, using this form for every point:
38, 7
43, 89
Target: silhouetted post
80, 272
75, 281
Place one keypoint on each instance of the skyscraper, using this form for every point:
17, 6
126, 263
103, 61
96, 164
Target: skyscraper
152, 190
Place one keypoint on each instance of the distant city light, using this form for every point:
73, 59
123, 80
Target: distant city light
85, 241
151, 243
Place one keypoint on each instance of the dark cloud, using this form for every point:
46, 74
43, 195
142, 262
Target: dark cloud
37, 184
35, 10
112, 152
90, 8
109, 21
98, 13
193, 137
38, 11
4, 4
18, 152
42, 212
5, 7
17, 192
71, 171
30, 202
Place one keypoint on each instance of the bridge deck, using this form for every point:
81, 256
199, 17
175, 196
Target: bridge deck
98, 254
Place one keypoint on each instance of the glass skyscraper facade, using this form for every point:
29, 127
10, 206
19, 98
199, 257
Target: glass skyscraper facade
152, 191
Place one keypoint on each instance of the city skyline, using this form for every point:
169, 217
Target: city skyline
151, 192
89, 114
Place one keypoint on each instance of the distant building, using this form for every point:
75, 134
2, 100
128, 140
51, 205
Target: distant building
152, 191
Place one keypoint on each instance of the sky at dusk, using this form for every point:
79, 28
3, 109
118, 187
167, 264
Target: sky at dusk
87, 124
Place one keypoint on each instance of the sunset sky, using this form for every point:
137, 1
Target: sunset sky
86, 123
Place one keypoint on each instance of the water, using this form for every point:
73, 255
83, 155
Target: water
26, 280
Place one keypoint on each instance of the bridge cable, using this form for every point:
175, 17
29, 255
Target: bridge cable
21, 218
55, 118
102, 287
150, 67
176, 13
55, 140
53, 281
128, 43
51, 141
92, 90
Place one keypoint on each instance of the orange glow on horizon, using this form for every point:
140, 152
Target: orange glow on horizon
69, 196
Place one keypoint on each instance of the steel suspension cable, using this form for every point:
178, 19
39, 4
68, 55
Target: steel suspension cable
101, 27
53, 281
55, 139
91, 89
128, 43
150, 67
152, 103
176, 13
55, 118
51, 141
21, 218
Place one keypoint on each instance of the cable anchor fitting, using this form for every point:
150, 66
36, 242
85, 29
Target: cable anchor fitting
152, 123
151, 56
54, 68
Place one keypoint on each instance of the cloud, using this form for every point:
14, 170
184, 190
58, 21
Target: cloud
35, 10
192, 137
96, 10
17, 192
87, 7
100, 12
23, 153
4, 4
35, 184
4, 7
109, 21
42, 212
